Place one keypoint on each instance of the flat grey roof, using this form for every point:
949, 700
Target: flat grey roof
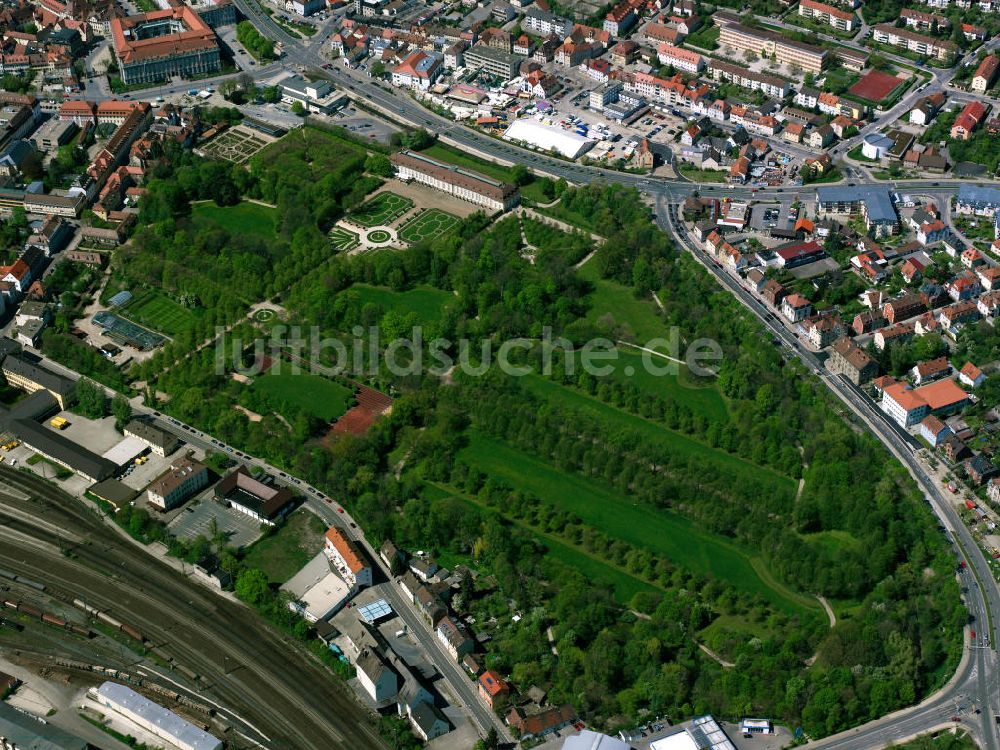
978, 194
27, 732
61, 448
169, 723
877, 199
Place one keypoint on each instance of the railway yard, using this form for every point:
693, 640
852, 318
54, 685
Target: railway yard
78, 596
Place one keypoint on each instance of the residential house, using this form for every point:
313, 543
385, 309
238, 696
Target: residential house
377, 678
979, 469
539, 724
795, 308
455, 637
971, 375
900, 333
821, 137
926, 109
866, 322
850, 360
906, 306
958, 313
954, 449
933, 430
968, 120
774, 293
985, 74
925, 372
492, 688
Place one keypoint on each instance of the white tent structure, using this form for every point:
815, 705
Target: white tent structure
548, 137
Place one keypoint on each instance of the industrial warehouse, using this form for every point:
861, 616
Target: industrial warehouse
155, 718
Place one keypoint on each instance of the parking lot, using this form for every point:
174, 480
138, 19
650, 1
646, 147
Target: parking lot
141, 475
196, 520
365, 125
768, 216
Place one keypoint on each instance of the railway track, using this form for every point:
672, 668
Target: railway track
249, 666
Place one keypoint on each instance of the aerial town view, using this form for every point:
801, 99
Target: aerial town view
499, 374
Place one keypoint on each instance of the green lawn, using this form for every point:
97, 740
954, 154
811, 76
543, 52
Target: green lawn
663, 532
856, 153
612, 298
286, 551
383, 209
343, 239
725, 627
642, 317
427, 225
944, 740
243, 218
426, 302
570, 217
703, 175
321, 397
624, 584
156, 310
707, 37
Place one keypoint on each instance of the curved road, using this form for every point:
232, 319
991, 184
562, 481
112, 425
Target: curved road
975, 682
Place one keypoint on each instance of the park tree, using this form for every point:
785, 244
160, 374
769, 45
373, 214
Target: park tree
227, 88
122, 411
521, 175
91, 402
252, 587
379, 164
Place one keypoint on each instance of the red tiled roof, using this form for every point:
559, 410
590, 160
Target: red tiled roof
346, 549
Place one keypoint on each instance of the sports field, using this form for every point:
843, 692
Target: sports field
424, 301
427, 225
243, 218
343, 240
875, 86
156, 310
663, 532
316, 395
381, 210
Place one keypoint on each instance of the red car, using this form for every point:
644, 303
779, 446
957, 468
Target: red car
340, 510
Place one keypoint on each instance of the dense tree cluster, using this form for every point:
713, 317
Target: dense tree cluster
857, 531
256, 44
